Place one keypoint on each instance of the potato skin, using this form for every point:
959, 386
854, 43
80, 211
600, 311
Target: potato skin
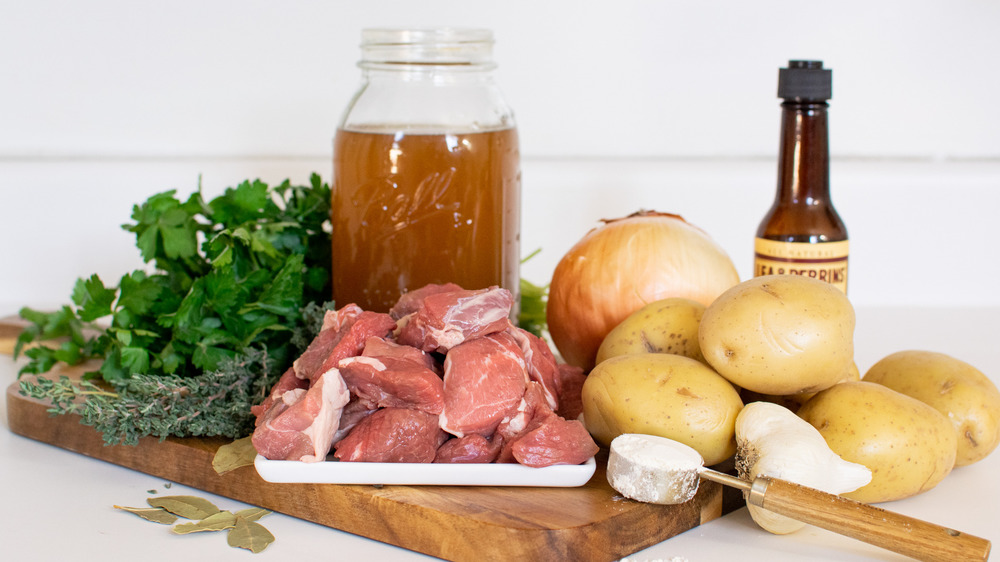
780, 334
795, 401
666, 395
951, 386
908, 445
665, 326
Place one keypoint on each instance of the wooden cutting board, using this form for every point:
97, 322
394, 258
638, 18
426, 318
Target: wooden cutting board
458, 523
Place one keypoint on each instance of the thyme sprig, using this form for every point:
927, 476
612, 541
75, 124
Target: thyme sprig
211, 404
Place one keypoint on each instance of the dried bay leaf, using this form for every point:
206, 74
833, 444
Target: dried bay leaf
249, 535
189, 507
154, 514
252, 513
234, 455
215, 522
244, 531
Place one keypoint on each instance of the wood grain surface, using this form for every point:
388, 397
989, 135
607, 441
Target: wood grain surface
458, 523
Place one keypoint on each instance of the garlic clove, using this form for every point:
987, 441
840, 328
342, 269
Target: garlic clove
772, 441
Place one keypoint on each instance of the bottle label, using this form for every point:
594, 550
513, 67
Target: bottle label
826, 261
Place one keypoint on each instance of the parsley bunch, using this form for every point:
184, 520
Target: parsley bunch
229, 276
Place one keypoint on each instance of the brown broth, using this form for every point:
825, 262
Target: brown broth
412, 209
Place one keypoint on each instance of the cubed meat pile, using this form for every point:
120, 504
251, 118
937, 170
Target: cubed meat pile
443, 377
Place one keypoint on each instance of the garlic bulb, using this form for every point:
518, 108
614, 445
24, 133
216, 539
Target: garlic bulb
772, 441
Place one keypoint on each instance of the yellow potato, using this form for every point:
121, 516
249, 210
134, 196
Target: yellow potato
665, 326
908, 445
780, 334
953, 387
666, 395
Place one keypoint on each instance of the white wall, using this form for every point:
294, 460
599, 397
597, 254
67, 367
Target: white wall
621, 105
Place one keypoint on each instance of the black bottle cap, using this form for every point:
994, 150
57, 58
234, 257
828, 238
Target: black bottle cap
805, 80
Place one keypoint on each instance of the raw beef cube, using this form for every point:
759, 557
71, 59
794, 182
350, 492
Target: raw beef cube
541, 363
301, 424
537, 436
352, 338
570, 386
355, 411
484, 381
410, 301
335, 324
445, 320
394, 382
472, 448
288, 381
393, 435
552, 440
345, 315
380, 347
532, 404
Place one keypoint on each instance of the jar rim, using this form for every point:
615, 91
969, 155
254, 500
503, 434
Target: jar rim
427, 46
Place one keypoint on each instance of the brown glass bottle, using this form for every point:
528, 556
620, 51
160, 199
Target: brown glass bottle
802, 233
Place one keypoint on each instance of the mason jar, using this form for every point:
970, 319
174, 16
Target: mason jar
426, 184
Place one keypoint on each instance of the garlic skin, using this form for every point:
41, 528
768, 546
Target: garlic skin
772, 441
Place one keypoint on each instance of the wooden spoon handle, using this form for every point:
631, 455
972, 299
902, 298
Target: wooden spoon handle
867, 523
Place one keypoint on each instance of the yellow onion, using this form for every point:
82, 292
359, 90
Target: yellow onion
623, 265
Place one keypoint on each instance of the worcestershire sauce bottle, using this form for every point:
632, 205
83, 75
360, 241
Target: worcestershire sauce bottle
802, 234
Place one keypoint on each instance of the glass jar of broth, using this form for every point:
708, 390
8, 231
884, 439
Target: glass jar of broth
426, 183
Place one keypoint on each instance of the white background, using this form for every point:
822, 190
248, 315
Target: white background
621, 106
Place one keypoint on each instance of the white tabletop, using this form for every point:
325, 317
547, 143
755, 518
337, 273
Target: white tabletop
58, 505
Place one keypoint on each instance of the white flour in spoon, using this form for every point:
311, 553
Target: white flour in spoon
653, 469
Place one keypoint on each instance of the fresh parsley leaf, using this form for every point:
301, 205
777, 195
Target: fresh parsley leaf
164, 229
138, 292
93, 298
247, 202
283, 295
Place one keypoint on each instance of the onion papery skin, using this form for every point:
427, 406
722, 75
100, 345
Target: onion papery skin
623, 265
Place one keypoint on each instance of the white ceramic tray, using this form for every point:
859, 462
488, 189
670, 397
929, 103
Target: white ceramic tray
418, 474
